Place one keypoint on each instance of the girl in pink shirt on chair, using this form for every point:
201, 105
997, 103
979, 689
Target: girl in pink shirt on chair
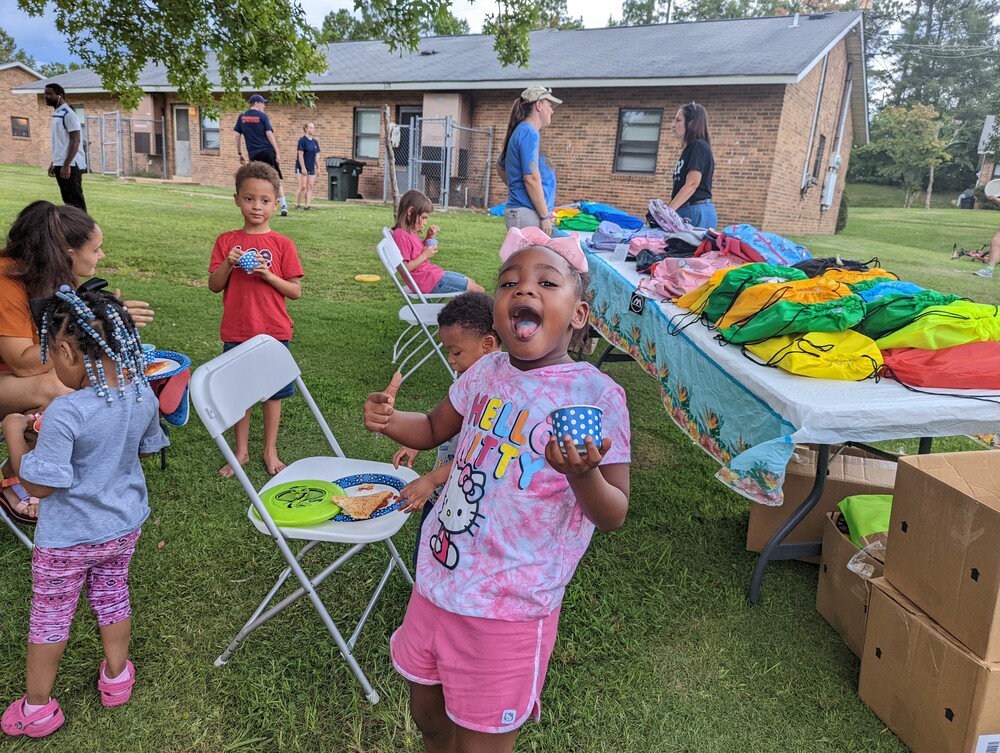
411, 217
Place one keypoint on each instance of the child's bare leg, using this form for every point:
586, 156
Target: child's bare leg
272, 419
43, 663
427, 710
484, 742
115, 638
242, 432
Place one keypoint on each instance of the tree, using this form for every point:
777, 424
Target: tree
553, 14
11, 53
342, 25
642, 13
907, 146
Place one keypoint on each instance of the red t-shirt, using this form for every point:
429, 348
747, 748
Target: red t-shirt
427, 275
250, 305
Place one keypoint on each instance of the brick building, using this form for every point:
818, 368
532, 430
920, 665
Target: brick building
786, 99
24, 128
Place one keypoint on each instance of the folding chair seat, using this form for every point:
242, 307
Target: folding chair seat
222, 390
419, 339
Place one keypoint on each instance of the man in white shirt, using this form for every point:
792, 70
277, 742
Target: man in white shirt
68, 160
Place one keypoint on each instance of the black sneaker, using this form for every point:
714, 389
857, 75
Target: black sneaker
284, 212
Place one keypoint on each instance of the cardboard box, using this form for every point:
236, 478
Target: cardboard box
852, 472
842, 594
930, 690
944, 543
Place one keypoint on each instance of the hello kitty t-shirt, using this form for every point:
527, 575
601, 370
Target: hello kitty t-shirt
507, 533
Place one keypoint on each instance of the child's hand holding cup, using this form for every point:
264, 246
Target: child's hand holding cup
579, 422
431, 246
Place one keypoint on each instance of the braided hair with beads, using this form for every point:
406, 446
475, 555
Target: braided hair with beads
101, 327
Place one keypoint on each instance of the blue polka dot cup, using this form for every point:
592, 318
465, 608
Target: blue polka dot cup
147, 352
579, 421
431, 242
248, 261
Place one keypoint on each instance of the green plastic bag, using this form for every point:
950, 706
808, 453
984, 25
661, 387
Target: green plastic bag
895, 310
866, 514
939, 327
791, 317
739, 279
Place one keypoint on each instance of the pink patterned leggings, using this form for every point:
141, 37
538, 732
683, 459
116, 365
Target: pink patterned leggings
58, 576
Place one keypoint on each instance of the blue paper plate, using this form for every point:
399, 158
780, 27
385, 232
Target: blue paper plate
381, 481
176, 363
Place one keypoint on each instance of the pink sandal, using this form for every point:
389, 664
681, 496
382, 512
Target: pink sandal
115, 693
16, 722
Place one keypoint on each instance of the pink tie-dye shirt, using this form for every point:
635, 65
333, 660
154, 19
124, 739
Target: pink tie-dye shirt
507, 533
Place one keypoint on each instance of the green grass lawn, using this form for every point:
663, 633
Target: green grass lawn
658, 650
892, 197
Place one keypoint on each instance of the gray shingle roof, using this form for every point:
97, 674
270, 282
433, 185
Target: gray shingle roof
754, 50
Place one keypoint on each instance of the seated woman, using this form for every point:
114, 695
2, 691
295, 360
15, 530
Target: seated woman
47, 246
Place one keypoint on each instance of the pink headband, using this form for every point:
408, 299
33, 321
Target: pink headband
567, 247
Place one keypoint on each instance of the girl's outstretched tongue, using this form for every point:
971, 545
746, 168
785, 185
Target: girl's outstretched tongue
526, 323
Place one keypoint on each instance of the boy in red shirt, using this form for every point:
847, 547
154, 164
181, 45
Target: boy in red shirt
254, 291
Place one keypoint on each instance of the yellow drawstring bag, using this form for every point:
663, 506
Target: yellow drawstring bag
846, 356
939, 327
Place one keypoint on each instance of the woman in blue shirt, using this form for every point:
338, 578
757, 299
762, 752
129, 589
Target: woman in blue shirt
305, 166
531, 183
692, 194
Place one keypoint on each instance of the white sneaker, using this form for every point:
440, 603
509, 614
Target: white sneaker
986, 272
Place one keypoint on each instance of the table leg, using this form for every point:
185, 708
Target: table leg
775, 549
163, 451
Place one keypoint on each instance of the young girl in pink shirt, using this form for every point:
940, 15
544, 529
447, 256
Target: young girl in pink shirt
518, 510
411, 217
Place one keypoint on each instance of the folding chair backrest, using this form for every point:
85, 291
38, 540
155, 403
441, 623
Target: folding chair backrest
392, 260
223, 389
387, 253
227, 386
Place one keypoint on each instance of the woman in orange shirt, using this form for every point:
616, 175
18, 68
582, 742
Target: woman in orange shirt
47, 246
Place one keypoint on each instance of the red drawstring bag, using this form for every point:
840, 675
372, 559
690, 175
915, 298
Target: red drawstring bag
969, 366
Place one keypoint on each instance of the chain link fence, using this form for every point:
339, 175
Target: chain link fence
449, 163
117, 145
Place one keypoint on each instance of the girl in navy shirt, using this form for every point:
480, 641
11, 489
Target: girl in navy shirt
305, 166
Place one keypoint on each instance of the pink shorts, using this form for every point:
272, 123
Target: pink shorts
491, 672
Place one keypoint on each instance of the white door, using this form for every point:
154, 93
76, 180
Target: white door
182, 142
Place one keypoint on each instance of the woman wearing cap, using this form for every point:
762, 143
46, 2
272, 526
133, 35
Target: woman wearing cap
692, 195
531, 183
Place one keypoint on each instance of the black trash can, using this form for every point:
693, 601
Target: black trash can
342, 178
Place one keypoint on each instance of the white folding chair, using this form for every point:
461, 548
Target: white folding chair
222, 390
15, 529
419, 315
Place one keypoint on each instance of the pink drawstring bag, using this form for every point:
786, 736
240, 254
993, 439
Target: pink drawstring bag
672, 278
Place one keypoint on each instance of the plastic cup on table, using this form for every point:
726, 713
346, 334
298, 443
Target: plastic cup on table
578, 421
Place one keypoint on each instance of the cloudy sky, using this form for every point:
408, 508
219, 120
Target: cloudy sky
38, 37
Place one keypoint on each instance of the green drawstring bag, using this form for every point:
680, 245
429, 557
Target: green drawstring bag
739, 279
857, 287
939, 327
865, 515
894, 311
790, 317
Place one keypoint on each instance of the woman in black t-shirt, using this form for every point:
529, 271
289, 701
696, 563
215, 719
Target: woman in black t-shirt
692, 194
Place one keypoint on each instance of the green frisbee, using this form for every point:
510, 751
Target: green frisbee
301, 503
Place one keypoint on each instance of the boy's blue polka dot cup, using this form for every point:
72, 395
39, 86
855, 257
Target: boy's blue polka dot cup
248, 261
578, 421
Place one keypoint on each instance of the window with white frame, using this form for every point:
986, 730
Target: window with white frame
20, 128
638, 141
367, 133
209, 131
